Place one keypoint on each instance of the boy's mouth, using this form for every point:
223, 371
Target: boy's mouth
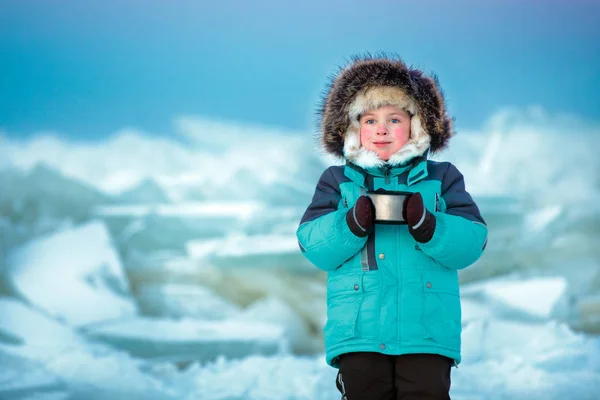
381, 144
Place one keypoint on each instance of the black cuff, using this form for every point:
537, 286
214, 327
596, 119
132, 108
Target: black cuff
355, 227
424, 232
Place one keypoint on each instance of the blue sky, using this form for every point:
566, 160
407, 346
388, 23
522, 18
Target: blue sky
87, 69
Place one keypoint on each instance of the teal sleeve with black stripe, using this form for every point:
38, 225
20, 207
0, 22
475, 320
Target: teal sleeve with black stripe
460, 235
323, 235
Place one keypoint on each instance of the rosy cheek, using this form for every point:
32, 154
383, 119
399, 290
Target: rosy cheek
365, 132
400, 134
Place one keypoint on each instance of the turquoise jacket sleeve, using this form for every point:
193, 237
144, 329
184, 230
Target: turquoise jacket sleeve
460, 235
323, 234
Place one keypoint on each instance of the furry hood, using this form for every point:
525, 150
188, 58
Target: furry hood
371, 82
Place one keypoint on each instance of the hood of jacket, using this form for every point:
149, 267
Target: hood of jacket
369, 82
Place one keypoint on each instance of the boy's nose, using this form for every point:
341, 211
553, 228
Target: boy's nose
382, 129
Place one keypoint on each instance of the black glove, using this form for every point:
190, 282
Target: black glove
361, 217
421, 223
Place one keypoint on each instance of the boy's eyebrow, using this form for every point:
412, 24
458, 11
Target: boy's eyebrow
402, 113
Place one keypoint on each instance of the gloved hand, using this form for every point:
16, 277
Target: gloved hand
361, 217
421, 223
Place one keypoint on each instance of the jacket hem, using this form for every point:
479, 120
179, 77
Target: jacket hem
393, 349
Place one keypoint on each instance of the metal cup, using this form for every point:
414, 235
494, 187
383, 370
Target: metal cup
389, 206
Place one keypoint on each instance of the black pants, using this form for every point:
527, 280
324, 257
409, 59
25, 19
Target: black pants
376, 376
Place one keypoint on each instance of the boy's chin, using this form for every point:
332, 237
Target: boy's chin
385, 156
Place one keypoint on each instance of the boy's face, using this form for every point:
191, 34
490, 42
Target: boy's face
384, 130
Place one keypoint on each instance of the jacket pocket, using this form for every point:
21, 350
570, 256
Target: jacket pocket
441, 311
344, 299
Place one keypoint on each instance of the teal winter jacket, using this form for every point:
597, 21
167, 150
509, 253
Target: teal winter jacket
386, 292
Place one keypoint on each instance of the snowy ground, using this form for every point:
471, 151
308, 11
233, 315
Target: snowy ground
566, 367
511, 350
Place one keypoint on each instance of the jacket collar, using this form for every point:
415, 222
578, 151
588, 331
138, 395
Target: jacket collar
417, 171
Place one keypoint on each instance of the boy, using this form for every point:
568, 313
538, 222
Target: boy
392, 229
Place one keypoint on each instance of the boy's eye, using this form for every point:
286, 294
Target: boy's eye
370, 121
395, 121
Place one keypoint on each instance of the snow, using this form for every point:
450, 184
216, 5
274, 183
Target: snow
146, 191
239, 245
503, 338
235, 251
74, 275
539, 220
559, 365
536, 297
183, 330
297, 331
473, 310
237, 332
183, 300
506, 360
23, 325
189, 340
21, 377
262, 378
121, 162
96, 372
568, 175
229, 210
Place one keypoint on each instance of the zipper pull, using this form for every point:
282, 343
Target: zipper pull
386, 174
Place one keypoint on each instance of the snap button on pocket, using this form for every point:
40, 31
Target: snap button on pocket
356, 287
381, 256
428, 285
382, 346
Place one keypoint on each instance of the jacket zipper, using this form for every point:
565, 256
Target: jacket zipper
386, 174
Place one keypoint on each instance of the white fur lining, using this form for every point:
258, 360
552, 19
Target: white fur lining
379, 96
372, 98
